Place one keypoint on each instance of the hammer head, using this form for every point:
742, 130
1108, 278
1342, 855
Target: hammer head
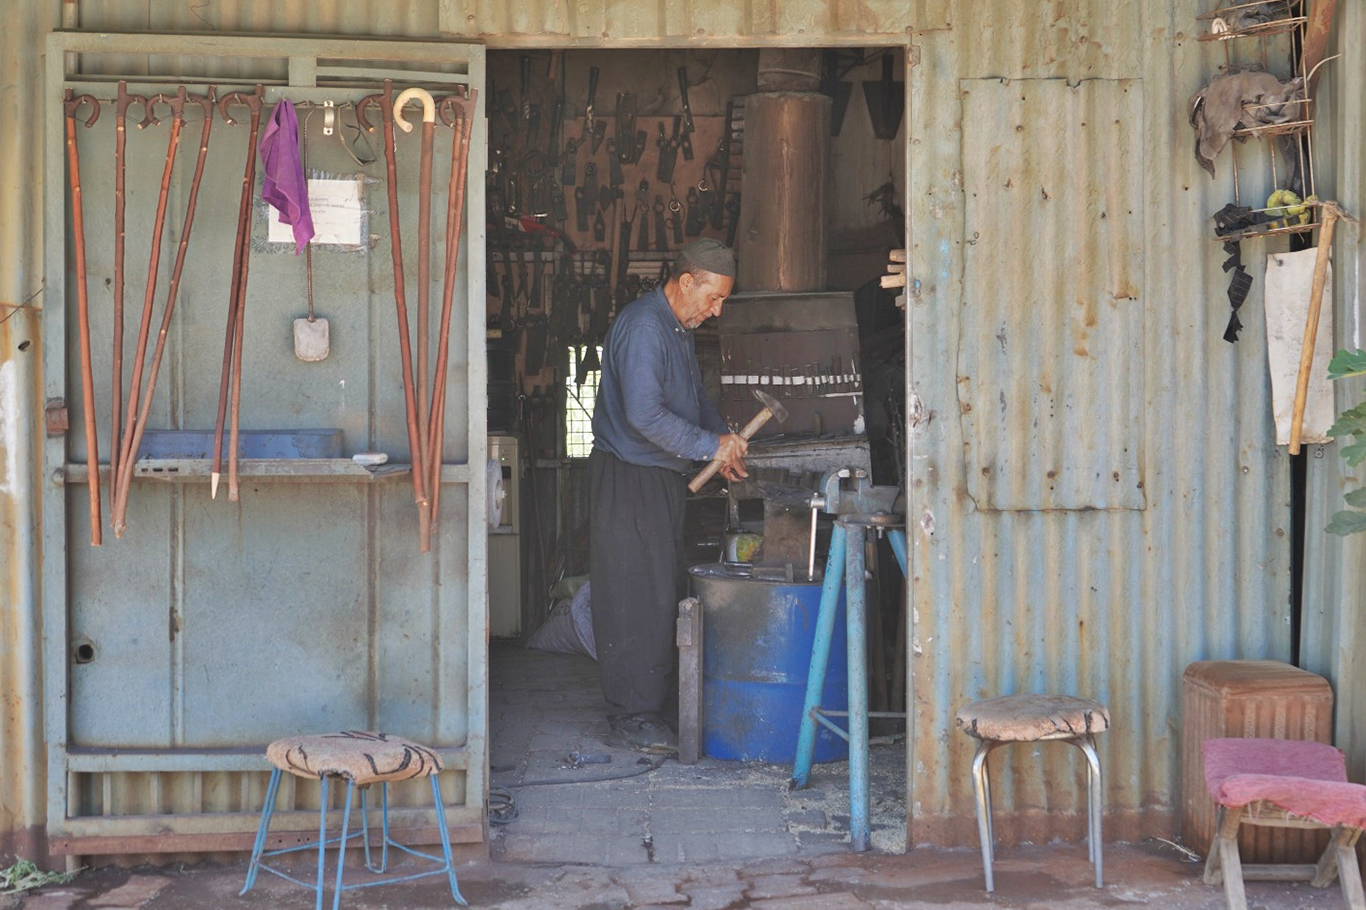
774, 406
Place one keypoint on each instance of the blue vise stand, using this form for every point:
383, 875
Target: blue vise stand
857, 507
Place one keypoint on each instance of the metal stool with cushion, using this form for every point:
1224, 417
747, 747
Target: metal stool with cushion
1028, 719
1286, 784
362, 759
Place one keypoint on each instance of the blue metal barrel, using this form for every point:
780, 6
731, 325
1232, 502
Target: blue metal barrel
756, 651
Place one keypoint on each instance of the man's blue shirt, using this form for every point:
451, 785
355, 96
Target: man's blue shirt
651, 408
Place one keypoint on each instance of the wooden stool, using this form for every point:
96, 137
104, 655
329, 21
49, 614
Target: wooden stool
362, 759
1028, 719
1283, 783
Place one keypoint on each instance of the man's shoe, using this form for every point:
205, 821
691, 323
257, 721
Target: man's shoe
642, 733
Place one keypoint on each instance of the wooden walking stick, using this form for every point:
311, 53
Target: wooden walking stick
424, 246
177, 105
125, 100
92, 447
238, 285
1311, 323
132, 444
415, 444
461, 120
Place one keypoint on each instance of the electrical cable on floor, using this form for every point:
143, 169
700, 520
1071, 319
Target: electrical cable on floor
503, 804
598, 779
502, 807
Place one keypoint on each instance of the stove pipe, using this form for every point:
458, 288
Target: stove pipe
782, 230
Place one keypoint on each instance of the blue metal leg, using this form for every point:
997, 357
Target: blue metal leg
384, 802
445, 839
322, 839
820, 657
854, 561
365, 827
266, 812
341, 848
898, 539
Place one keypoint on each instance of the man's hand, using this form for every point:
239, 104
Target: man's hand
730, 451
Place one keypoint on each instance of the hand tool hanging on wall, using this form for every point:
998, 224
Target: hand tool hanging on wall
719, 166
70, 104
237, 294
661, 238
125, 100
668, 152
626, 127
593, 127
424, 247
312, 339
457, 111
131, 445
177, 105
685, 141
401, 311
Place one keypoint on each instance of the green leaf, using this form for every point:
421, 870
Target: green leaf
1357, 498
1354, 454
1345, 523
1347, 363
1351, 422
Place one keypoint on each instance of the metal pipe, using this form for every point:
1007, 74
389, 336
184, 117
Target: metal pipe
820, 657
859, 804
981, 786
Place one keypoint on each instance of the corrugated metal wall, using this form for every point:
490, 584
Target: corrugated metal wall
1111, 602
1144, 522
1334, 628
22, 802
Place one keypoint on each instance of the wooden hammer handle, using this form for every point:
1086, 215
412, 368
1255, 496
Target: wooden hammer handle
1311, 325
710, 470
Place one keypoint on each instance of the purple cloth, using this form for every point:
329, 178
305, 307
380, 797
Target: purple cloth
284, 186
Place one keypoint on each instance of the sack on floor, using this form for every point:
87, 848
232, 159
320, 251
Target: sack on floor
569, 627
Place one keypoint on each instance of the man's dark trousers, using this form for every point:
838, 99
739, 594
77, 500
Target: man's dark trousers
636, 569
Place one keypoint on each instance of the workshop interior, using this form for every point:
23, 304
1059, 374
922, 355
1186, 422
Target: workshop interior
602, 165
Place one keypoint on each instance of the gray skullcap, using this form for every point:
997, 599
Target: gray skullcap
711, 255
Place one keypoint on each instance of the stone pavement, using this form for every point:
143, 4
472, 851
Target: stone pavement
712, 836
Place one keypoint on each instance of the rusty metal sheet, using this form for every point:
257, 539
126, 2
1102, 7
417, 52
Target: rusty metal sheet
1113, 603
1050, 378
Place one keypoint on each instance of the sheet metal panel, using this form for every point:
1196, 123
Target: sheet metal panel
23, 808
1112, 604
602, 22
1334, 627
1063, 336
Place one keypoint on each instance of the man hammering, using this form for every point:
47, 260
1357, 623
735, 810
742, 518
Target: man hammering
651, 420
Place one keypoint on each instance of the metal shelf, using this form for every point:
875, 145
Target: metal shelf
297, 470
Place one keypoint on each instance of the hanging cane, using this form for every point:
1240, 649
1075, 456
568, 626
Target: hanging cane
461, 119
238, 285
125, 100
130, 452
401, 310
92, 449
177, 105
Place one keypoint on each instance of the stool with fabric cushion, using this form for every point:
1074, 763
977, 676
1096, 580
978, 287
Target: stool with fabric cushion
1009, 719
1285, 784
361, 759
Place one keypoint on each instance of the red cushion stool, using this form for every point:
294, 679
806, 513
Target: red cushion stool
1283, 783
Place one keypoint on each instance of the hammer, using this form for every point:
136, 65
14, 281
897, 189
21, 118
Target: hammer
771, 408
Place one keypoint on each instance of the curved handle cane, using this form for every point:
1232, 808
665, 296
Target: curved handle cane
428, 107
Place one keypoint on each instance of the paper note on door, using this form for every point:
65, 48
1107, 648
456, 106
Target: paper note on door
338, 215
